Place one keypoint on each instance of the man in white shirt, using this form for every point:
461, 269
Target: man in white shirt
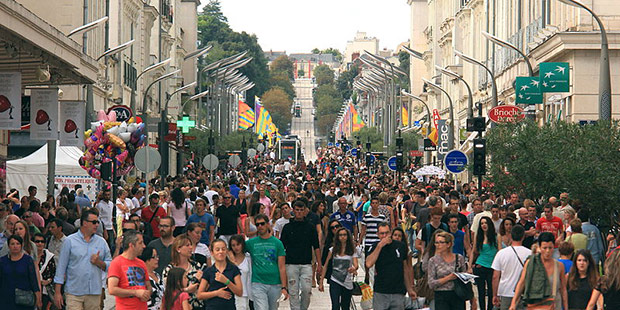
507, 267
137, 201
286, 217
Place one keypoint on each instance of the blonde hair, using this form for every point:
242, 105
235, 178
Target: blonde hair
179, 241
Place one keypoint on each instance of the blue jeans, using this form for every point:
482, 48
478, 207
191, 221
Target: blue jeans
340, 296
299, 285
265, 296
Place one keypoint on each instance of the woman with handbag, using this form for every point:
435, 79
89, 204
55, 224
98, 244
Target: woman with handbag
543, 283
19, 288
441, 277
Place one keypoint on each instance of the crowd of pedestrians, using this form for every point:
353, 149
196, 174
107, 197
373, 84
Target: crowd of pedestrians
270, 233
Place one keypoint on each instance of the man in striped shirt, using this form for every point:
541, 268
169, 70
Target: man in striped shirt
370, 224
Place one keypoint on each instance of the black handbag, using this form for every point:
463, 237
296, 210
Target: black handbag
465, 291
24, 298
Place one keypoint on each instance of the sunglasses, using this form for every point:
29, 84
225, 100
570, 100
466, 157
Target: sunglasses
39, 241
94, 222
260, 223
335, 226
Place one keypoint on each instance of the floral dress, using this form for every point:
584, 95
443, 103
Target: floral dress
157, 292
48, 272
194, 267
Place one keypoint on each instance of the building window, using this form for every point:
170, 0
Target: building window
129, 78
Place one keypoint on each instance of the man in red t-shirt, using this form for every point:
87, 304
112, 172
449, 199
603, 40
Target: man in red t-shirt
550, 223
128, 278
153, 213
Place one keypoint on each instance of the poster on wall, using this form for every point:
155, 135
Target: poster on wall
89, 184
72, 118
10, 100
44, 114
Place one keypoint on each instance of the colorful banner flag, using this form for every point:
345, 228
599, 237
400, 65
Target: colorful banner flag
10, 100
358, 123
527, 90
72, 118
554, 77
405, 115
264, 119
258, 107
44, 114
247, 117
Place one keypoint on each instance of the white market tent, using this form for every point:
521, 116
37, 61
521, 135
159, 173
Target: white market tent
430, 170
32, 169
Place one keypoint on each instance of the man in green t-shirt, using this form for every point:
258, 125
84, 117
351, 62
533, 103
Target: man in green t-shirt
268, 269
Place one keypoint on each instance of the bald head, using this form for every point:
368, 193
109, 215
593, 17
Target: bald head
10, 223
523, 214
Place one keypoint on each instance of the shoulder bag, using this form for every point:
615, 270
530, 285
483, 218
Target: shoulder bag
24, 298
547, 303
464, 291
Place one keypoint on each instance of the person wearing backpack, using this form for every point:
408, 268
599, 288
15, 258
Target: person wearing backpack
507, 266
430, 227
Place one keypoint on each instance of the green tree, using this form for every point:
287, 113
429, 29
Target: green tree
324, 75
213, 29
315, 51
278, 103
333, 51
345, 81
369, 134
543, 161
231, 142
280, 79
327, 99
403, 81
283, 64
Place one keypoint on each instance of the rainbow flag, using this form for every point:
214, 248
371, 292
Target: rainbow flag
263, 122
247, 118
358, 123
404, 115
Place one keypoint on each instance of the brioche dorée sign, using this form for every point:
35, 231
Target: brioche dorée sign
506, 114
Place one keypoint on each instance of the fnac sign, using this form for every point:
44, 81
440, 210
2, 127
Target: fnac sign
506, 114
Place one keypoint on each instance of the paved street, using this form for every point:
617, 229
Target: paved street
304, 126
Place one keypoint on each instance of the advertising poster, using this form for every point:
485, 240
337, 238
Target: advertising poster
89, 184
10, 100
72, 118
44, 114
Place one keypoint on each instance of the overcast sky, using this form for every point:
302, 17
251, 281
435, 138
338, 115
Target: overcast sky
300, 25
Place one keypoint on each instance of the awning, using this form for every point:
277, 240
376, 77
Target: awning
27, 43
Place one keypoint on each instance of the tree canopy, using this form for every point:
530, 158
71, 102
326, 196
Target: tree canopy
543, 161
278, 103
324, 75
283, 64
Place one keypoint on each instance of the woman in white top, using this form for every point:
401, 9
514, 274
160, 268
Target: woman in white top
239, 256
344, 268
123, 204
179, 209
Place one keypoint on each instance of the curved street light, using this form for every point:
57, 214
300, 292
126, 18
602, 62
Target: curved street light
476, 62
88, 27
604, 86
116, 49
159, 79
454, 75
509, 45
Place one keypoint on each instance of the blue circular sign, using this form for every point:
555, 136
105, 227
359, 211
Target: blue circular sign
337, 144
391, 163
373, 158
455, 161
330, 144
354, 152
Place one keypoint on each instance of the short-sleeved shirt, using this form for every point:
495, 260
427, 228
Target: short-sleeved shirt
553, 226
132, 275
265, 253
178, 303
205, 221
389, 268
510, 263
163, 252
347, 220
428, 230
230, 273
527, 241
372, 224
459, 242
228, 219
150, 218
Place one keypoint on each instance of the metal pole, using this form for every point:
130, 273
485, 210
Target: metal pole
51, 166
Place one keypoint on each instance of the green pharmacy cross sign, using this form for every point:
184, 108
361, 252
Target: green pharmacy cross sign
186, 124
554, 77
528, 90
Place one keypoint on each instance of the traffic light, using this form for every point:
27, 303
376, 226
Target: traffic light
368, 159
399, 161
399, 142
476, 124
480, 156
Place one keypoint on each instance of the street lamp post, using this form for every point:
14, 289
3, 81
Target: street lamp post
604, 86
145, 71
470, 100
428, 114
509, 45
476, 62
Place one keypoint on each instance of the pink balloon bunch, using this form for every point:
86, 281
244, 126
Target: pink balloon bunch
110, 140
